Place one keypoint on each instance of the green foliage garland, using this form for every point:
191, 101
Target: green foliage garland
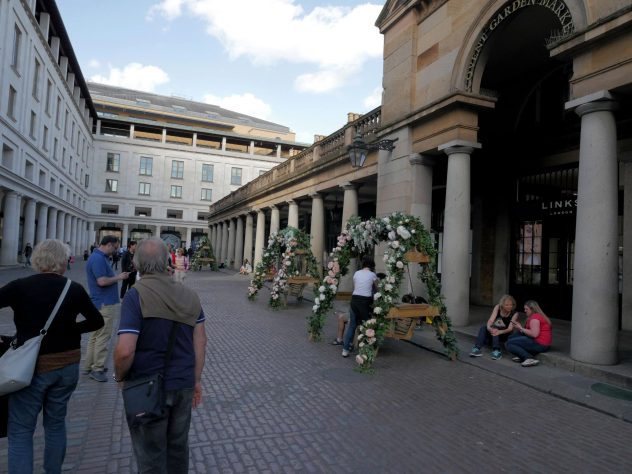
203, 250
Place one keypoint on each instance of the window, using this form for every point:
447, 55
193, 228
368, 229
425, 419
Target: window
32, 124
36, 78
53, 183
66, 124
113, 162
17, 38
11, 102
72, 135
177, 169
55, 143
235, 176
207, 194
176, 191
111, 185
58, 112
144, 189
49, 88
63, 156
146, 165
207, 173
45, 138
87, 180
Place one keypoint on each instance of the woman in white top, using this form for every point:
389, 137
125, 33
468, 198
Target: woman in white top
361, 300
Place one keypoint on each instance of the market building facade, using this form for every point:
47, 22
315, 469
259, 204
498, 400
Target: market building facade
512, 123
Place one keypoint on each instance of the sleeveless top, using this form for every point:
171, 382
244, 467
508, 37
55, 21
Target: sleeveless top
502, 322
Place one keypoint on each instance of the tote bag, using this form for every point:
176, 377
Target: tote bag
17, 364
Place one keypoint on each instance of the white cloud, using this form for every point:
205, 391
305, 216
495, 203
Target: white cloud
374, 99
134, 76
337, 40
247, 104
94, 64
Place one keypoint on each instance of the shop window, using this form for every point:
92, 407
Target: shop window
529, 253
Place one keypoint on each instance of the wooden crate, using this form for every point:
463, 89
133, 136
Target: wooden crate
413, 256
402, 319
302, 280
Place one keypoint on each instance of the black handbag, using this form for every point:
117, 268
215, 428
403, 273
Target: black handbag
144, 398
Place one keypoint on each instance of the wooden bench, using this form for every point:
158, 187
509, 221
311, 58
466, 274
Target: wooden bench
203, 261
296, 285
402, 319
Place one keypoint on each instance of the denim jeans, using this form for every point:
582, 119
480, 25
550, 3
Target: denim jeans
347, 339
484, 337
162, 446
49, 391
524, 347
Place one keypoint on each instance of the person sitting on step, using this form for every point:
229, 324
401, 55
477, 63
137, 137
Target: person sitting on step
535, 337
498, 327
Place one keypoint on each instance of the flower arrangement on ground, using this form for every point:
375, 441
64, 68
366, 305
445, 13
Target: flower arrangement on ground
402, 233
280, 261
203, 252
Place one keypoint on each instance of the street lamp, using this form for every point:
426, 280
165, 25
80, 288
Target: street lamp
358, 150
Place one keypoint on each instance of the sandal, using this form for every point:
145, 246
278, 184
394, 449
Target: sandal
336, 342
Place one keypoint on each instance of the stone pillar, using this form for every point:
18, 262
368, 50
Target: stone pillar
67, 228
248, 239
42, 223
239, 242
455, 274
225, 241
218, 250
125, 235
189, 237
260, 236
349, 208
230, 254
292, 218
317, 233
73, 235
274, 219
61, 220
28, 231
213, 238
91, 234
421, 188
10, 228
594, 330
626, 309
158, 230
52, 223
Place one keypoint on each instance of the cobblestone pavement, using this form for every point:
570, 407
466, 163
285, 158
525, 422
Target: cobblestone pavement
275, 402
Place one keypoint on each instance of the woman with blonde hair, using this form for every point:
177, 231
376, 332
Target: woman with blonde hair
57, 371
533, 338
498, 328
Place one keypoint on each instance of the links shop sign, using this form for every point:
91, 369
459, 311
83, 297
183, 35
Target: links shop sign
559, 207
558, 7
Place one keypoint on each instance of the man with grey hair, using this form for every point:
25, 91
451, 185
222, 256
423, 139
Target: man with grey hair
153, 309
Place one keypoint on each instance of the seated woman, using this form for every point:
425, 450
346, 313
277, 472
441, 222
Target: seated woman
535, 337
498, 328
246, 268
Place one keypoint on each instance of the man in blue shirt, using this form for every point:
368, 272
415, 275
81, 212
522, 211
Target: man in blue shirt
153, 308
103, 289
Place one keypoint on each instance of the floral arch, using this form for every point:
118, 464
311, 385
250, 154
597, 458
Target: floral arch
288, 256
403, 233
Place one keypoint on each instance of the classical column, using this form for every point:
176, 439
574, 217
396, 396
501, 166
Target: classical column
239, 242
125, 237
455, 271
318, 228
349, 208
189, 233
594, 330
225, 241
61, 221
213, 237
68, 228
158, 230
73, 235
10, 229
28, 232
421, 188
260, 236
248, 239
52, 223
42, 222
274, 219
626, 296
91, 234
292, 217
218, 249
230, 254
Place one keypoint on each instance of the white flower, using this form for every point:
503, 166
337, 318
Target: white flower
395, 244
315, 308
385, 258
321, 289
391, 279
392, 235
359, 359
361, 344
377, 310
388, 287
377, 296
371, 321
399, 264
403, 233
323, 297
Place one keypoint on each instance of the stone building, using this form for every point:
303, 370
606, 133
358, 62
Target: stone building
512, 122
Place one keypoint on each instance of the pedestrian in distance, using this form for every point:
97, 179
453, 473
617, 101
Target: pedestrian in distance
154, 309
127, 265
28, 250
103, 287
181, 265
57, 371
498, 328
533, 338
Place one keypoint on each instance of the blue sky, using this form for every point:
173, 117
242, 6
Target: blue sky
301, 63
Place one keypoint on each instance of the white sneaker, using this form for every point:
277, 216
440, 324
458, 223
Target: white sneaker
345, 353
530, 362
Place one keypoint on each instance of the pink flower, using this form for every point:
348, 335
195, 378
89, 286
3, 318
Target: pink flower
359, 359
370, 332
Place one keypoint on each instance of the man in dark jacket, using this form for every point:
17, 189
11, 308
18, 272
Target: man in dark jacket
127, 265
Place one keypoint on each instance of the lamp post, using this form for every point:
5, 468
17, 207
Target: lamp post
358, 150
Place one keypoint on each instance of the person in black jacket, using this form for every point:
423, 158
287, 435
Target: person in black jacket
127, 265
57, 372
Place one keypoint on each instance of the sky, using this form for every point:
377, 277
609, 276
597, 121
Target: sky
303, 64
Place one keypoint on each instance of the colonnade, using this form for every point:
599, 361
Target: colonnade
41, 221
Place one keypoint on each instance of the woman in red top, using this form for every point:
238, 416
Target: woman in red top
535, 337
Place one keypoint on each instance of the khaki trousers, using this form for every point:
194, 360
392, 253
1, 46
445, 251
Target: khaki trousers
98, 341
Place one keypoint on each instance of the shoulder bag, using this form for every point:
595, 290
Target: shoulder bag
17, 364
144, 398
